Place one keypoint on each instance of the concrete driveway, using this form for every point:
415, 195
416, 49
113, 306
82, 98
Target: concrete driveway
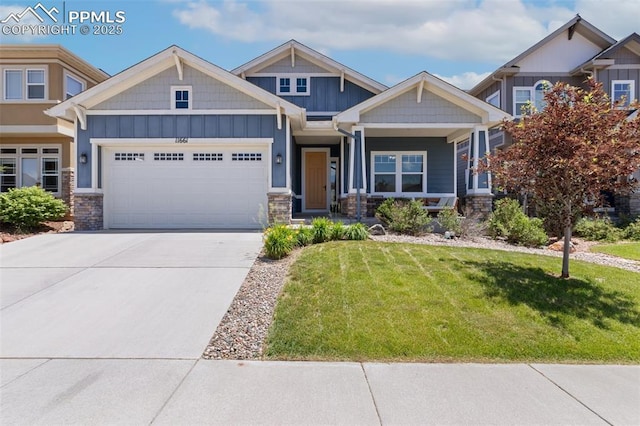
119, 295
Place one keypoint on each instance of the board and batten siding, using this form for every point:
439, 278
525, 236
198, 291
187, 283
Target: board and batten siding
180, 126
440, 155
206, 93
324, 93
624, 56
493, 88
405, 109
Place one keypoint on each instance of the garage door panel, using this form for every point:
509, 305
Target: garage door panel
187, 193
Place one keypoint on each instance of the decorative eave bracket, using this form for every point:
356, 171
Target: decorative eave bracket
178, 62
81, 113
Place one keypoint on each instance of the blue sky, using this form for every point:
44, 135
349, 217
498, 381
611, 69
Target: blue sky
388, 40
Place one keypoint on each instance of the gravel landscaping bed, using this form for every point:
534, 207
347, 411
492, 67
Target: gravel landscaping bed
243, 330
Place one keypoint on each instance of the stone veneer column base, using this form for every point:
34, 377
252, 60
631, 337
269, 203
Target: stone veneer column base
88, 211
628, 204
280, 207
68, 183
349, 205
480, 204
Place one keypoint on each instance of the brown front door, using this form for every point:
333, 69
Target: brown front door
315, 184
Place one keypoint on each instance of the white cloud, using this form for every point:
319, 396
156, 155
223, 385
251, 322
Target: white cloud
618, 19
464, 81
28, 19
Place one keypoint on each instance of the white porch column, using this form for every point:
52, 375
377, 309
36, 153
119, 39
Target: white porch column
478, 183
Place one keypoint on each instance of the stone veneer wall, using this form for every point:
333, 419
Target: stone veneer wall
628, 204
481, 204
349, 205
68, 184
88, 212
280, 207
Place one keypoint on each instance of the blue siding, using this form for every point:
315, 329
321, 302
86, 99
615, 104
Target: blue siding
188, 126
440, 154
325, 93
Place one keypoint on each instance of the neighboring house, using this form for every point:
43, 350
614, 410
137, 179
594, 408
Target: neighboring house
571, 54
177, 142
36, 149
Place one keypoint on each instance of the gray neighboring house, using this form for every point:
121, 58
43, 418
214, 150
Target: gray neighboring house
177, 142
575, 51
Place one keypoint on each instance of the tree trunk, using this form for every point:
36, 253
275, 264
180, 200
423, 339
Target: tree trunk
565, 252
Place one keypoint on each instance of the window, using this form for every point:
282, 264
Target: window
35, 84
12, 84
494, 99
181, 97
285, 86
207, 156
129, 156
401, 173
622, 89
168, 156
246, 156
534, 96
73, 86
29, 166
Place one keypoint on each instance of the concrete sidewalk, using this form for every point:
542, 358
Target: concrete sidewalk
188, 392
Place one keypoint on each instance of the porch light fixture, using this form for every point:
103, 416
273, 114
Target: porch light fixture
83, 158
279, 159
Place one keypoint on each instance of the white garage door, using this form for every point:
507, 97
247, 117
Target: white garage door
180, 187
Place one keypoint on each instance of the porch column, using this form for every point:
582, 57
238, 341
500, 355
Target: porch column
479, 197
357, 174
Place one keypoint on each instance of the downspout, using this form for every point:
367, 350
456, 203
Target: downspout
357, 165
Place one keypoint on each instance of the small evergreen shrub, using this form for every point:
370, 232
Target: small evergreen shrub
322, 228
632, 232
508, 221
404, 217
598, 229
356, 232
450, 220
338, 231
304, 236
26, 208
279, 241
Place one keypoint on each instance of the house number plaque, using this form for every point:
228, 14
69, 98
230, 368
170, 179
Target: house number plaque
182, 140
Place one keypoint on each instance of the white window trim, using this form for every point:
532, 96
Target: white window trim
67, 74
174, 89
293, 84
27, 84
398, 174
24, 86
40, 156
495, 94
532, 95
632, 90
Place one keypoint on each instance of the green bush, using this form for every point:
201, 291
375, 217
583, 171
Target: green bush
322, 228
279, 241
450, 220
26, 208
356, 232
338, 231
304, 236
404, 217
632, 232
598, 229
508, 221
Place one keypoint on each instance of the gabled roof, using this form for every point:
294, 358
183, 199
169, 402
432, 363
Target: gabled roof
603, 59
490, 115
577, 24
173, 56
293, 46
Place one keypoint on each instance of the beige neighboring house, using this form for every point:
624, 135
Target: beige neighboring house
36, 149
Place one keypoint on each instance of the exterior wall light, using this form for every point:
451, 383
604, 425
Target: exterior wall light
279, 159
83, 158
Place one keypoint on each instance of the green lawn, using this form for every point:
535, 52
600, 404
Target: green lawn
628, 250
382, 301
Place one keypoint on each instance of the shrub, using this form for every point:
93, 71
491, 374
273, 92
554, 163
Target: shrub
508, 221
450, 220
26, 208
598, 229
404, 217
322, 228
356, 232
279, 241
338, 230
304, 236
632, 232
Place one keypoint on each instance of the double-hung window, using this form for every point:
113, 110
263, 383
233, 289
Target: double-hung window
623, 91
523, 97
399, 173
35, 84
73, 86
292, 85
25, 84
12, 85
